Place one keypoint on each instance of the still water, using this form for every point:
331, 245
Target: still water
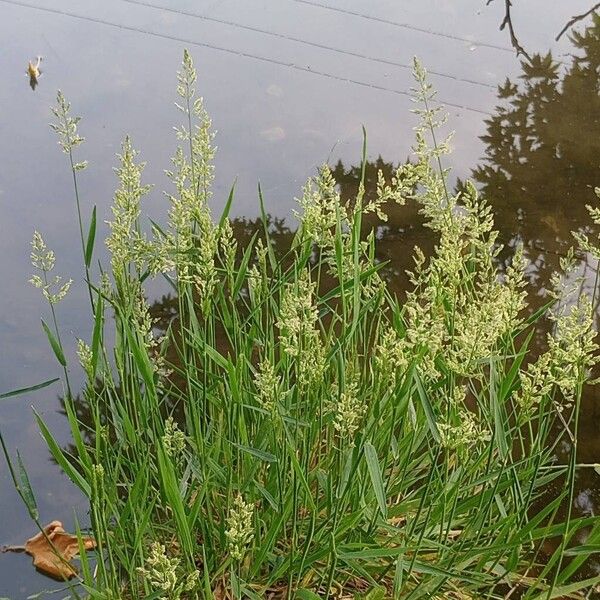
289, 85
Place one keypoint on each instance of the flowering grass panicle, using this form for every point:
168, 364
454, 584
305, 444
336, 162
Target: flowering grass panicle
426, 331
298, 335
481, 319
391, 355
145, 323
514, 287
255, 281
85, 356
349, 411
160, 570
267, 383
42, 258
165, 575
321, 207
192, 241
227, 246
66, 128
257, 277
126, 242
400, 187
54, 289
199, 135
573, 347
173, 439
298, 315
239, 531
572, 351
465, 434
205, 275
582, 238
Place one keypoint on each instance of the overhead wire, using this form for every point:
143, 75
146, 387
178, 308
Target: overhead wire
410, 26
239, 53
290, 38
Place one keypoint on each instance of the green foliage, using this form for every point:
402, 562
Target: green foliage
301, 433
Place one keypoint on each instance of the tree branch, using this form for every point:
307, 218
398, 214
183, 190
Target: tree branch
513, 37
576, 19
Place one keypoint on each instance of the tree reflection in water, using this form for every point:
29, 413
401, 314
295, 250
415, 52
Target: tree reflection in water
541, 164
542, 154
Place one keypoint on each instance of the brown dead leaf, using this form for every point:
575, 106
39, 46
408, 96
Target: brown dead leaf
53, 549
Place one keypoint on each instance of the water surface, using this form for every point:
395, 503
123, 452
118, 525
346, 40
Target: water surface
289, 85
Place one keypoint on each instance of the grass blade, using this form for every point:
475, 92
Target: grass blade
26, 490
376, 478
60, 457
26, 390
91, 237
55, 344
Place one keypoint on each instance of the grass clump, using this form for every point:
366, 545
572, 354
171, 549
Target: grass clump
300, 432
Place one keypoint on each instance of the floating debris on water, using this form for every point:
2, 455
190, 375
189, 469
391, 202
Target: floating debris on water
34, 72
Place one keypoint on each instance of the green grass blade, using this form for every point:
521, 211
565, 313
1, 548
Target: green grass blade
26, 490
227, 207
55, 344
91, 237
26, 390
60, 457
376, 478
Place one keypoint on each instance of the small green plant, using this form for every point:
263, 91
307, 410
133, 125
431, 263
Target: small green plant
299, 432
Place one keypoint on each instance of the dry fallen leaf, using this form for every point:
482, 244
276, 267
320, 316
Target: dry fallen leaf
53, 549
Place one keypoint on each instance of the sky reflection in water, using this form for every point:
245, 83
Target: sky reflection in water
532, 147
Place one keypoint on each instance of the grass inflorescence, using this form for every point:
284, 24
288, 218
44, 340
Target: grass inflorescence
300, 432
